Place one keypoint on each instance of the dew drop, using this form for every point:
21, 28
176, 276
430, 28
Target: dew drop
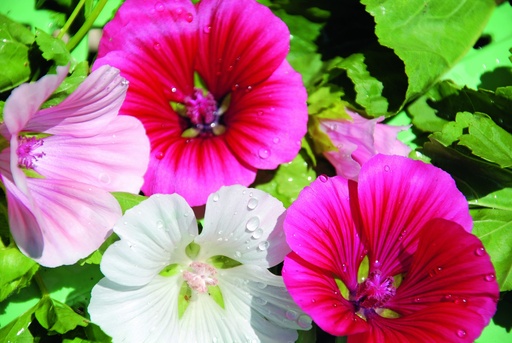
235, 87
189, 17
490, 277
123, 83
238, 254
104, 178
159, 224
461, 333
261, 285
304, 321
435, 271
291, 315
216, 197
479, 251
263, 153
159, 155
252, 224
252, 204
207, 29
260, 113
276, 140
257, 234
313, 300
263, 246
157, 46
416, 300
323, 178
377, 263
159, 7
248, 89
387, 168
173, 89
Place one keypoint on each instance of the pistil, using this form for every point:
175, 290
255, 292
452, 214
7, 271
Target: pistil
28, 151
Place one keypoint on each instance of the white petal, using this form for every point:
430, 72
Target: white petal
137, 314
244, 224
153, 235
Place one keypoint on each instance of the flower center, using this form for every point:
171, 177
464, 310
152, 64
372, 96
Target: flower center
373, 293
28, 151
200, 276
203, 114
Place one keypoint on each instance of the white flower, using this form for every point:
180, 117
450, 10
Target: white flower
167, 283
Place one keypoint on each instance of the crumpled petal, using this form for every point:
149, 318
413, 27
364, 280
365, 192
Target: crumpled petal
244, 224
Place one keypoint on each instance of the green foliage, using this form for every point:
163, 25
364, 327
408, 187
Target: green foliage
17, 270
128, 200
56, 316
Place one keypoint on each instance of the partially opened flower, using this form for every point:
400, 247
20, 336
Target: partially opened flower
358, 140
61, 163
389, 259
250, 112
167, 283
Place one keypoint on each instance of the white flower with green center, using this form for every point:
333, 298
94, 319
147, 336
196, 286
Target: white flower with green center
166, 282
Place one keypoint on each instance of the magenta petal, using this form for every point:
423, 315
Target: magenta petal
397, 197
25, 100
105, 160
450, 270
317, 294
233, 53
194, 169
320, 229
67, 234
266, 125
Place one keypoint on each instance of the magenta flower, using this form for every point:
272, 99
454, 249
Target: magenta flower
358, 140
61, 163
389, 259
252, 115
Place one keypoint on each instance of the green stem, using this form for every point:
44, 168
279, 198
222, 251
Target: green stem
40, 284
71, 19
343, 339
73, 42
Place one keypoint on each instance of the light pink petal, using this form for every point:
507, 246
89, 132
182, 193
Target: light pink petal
244, 224
265, 126
92, 106
25, 100
397, 197
317, 294
233, 54
74, 220
320, 228
450, 269
154, 234
159, 34
194, 168
114, 160
385, 140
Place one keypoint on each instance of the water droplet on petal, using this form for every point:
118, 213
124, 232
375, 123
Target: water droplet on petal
216, 197
461, 333
263, 246
252, 224
261, 285
189, 17
344, 267
377, 263
260, 113
104, 178
291, 315
238, 254
276, 140
304, 321
323, 178
157, 46
263, 153
159, 7
490, 277
207, 29
479, 251
248, 89
387, 168
159, 224
252, 204
159, 155
257, 234
416, 300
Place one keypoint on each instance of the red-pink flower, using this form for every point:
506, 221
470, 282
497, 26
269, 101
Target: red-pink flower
252, 115
62, 162
358, 140
404, 228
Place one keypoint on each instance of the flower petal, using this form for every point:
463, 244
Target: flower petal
25, 100
160, 34
265, 126
92, 106
320, 229
244, 224
397, 197
137, 314
73, 218
105, 160
234, 54
317, 294
153, 235
193, 168
451, 272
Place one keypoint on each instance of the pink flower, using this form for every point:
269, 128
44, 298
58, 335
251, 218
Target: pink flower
389, 259
252, 115
62, 162
358, 140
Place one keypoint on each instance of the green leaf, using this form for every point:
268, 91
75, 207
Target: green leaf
15, 41
53, 49
17, 270
287, 182
128, 200
17, 330
95, 257
56, 316
428, 36
308, 336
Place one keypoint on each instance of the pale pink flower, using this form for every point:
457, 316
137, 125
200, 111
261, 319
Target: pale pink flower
61, 163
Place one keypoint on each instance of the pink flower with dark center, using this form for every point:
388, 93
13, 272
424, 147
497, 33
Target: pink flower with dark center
390, 258
249, 113
59, 164
358, 140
